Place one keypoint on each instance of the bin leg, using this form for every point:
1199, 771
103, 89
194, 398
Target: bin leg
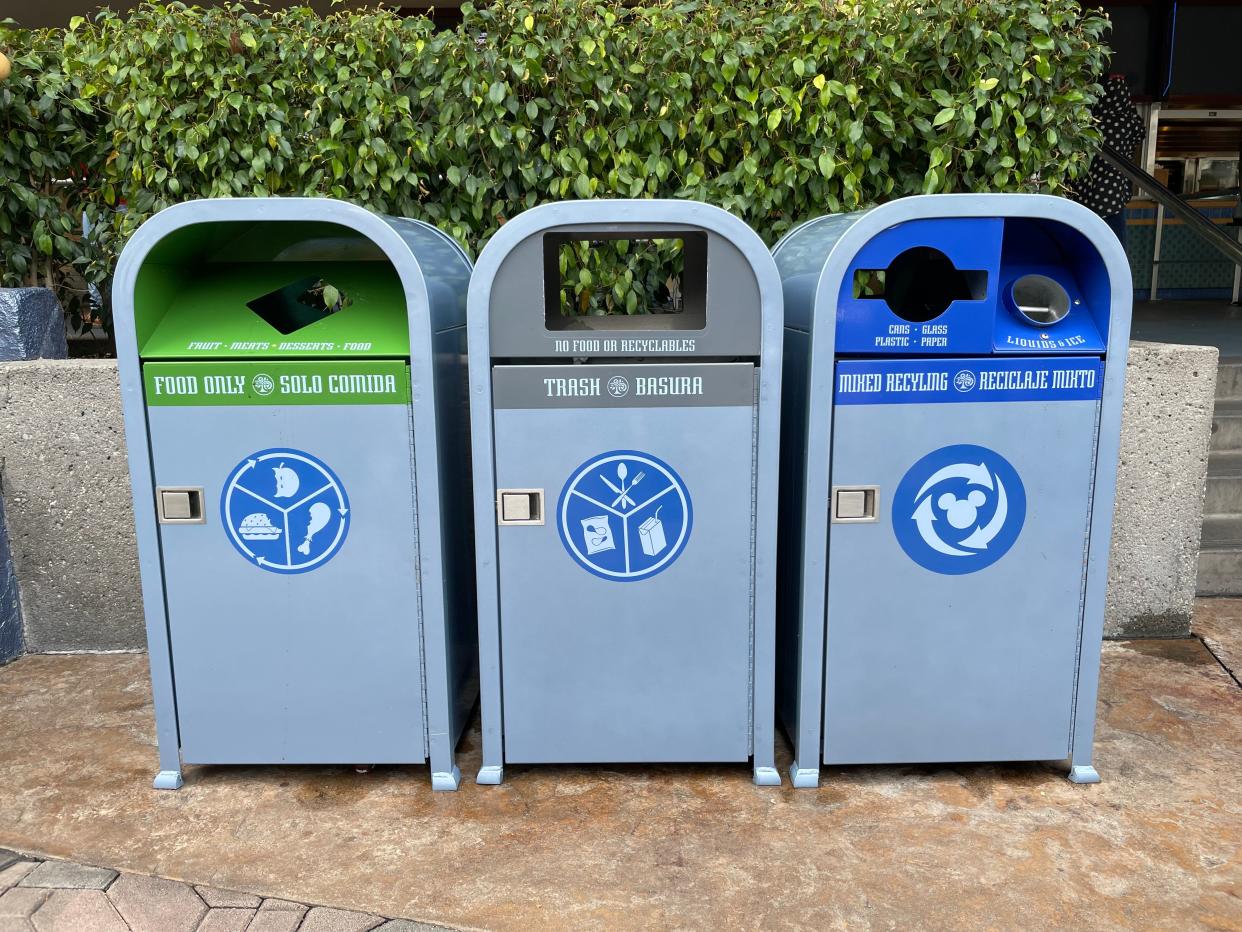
167, 733
448, 779
1083, 773
168, 780
803, 778
445, 774
490, 775
767, 775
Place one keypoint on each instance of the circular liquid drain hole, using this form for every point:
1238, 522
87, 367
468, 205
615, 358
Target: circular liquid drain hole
1043, 301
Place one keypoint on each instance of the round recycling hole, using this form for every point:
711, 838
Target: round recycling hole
1043, 301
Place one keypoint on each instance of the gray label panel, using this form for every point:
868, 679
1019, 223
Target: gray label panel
624, 386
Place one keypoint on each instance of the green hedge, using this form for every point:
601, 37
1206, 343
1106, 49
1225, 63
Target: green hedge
46, 133
775, 109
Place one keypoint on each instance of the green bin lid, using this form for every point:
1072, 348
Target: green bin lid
226, 302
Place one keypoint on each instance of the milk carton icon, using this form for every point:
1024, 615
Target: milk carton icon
651, 535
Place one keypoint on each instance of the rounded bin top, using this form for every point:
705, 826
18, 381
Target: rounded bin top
284, 278
624, 278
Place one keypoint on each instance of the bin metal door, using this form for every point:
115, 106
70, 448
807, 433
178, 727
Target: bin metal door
314, 658
605, 660
971, 654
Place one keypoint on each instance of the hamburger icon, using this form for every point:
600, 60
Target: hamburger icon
258, 526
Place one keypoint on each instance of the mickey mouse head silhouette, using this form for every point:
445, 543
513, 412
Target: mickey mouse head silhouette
961, 512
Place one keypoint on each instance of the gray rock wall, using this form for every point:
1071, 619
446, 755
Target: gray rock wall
66, 488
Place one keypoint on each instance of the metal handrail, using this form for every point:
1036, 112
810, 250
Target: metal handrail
1200, 225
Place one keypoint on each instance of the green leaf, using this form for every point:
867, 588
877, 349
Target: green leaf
774, 118
944, 116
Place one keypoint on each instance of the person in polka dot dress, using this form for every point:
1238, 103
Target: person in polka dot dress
1105, 189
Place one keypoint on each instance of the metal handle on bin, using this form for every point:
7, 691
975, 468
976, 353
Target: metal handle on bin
180, 505
519, 506
855, 504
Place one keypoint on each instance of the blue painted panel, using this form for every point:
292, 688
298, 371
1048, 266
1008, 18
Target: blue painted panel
1002, 249
307, 667
653, 669
1042, 247
868, 325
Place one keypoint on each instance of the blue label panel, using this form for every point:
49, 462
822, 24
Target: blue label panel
948, 381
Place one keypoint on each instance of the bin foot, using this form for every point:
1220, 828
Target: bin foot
451, 780
1083, 773
803, 778
490, 775
168, 780
767, 776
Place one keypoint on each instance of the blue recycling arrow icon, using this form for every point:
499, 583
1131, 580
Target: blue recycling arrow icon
959, 509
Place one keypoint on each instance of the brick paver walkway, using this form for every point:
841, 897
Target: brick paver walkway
63, 896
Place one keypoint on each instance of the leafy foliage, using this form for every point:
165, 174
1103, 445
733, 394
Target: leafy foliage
777, 110
46, 145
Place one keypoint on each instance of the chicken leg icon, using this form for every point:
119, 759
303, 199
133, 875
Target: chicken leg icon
319, 516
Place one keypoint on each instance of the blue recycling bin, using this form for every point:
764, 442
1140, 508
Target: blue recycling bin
952, 396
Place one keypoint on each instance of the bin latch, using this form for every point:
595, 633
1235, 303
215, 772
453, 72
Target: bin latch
853, 504
180, 505
519, 506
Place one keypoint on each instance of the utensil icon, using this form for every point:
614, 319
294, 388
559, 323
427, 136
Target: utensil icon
623, 491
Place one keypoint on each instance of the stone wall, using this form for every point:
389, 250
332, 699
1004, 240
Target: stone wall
1161, 476
65, 483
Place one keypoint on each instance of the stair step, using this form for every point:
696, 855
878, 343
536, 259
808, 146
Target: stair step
1225, 463
1220, 572
1224, 495
1227, 426
1229, 378
1222, 532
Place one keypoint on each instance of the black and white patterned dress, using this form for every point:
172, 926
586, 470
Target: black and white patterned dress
1106, 190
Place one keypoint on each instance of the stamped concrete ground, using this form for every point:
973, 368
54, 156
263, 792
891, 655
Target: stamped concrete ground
1158, 845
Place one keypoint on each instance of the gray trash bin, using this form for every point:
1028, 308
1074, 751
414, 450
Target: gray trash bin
625, 486
953, 386
290, 373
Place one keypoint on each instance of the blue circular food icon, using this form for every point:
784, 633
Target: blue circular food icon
284, 510
959, 509
624, 515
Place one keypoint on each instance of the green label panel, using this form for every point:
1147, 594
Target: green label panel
346, 382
